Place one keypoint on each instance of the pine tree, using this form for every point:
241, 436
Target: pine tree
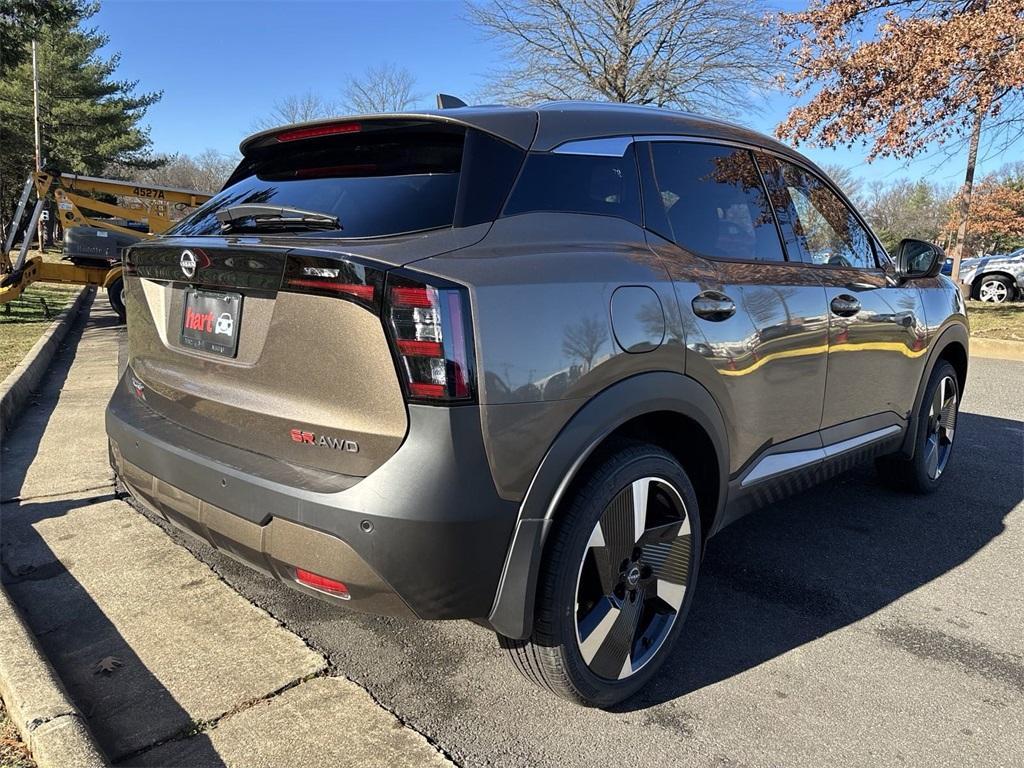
22, 20
89, 119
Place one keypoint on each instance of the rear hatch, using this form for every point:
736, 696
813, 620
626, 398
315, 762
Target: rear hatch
272, 333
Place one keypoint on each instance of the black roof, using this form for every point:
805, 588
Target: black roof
545, 126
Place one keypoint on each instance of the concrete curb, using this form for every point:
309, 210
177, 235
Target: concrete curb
52, 727
23, 380
998, 348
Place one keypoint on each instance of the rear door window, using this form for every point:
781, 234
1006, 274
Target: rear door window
550, 181
379, 181
710, 200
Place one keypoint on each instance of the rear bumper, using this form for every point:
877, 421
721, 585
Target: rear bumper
425, 535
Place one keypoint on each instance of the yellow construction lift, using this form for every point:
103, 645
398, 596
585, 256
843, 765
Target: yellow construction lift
155, 207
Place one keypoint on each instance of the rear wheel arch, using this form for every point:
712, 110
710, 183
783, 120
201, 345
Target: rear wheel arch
666, 409
684, 438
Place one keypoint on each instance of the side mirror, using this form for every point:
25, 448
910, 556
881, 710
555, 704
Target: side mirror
916, 259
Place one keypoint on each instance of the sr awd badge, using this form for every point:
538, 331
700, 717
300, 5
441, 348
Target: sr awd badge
324, 441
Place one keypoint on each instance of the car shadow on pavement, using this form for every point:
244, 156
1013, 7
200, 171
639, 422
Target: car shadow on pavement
126, 706
21, 443
803, 568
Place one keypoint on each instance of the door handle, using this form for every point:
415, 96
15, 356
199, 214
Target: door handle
714, 306
845, 305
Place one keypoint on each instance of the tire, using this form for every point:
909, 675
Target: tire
933, 440
994, 289
599, 637
115, 295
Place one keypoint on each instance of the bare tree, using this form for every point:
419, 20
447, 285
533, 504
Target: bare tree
384, 88
205, 172
701, 55
297, 108
904, 208
585, 339
845, 179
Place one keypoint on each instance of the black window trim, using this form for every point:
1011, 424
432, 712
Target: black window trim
595, 144
790, 158
649, 141
879, 249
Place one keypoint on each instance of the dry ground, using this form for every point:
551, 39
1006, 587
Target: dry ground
997, 321
13, 753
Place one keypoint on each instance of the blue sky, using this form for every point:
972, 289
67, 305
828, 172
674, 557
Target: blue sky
223, 63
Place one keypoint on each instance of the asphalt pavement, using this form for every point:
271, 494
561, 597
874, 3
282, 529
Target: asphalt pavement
849, 626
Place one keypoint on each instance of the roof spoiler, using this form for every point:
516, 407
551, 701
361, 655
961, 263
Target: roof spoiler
446, 101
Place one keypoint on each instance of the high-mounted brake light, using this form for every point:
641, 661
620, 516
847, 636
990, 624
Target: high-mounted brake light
316, 131
429, 326
322, 583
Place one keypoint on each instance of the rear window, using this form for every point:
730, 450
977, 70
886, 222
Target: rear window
380, 181
608, 186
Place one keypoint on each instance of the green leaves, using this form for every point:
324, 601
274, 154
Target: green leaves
89, 119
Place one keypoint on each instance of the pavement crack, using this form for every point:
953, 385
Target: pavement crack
35, 722
197, 727
245, 705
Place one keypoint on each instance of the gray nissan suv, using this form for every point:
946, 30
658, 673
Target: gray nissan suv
517, 365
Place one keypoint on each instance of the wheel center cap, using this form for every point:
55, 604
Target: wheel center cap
633, 575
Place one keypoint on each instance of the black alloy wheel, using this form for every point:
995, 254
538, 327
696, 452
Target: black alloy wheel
617, 578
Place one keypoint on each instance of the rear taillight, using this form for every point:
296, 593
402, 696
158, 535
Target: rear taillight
429, 325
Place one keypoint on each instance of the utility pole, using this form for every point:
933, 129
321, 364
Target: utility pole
965, 194
35, 116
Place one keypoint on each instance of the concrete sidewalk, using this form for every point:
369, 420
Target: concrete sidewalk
167, 663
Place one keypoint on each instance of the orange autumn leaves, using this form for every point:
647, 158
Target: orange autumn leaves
997, 214
904, 73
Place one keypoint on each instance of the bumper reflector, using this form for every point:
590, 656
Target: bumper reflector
322, 584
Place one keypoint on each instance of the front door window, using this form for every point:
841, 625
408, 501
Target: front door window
825, 228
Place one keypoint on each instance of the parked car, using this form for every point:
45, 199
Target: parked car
995, 279
518, 365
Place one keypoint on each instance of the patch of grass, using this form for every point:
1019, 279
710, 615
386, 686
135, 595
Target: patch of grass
13, 752
997, 321
23, 321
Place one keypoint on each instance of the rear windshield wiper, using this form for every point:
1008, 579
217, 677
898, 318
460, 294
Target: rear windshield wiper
263, 216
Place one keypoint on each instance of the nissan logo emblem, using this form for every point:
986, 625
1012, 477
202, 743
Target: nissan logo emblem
188, 263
